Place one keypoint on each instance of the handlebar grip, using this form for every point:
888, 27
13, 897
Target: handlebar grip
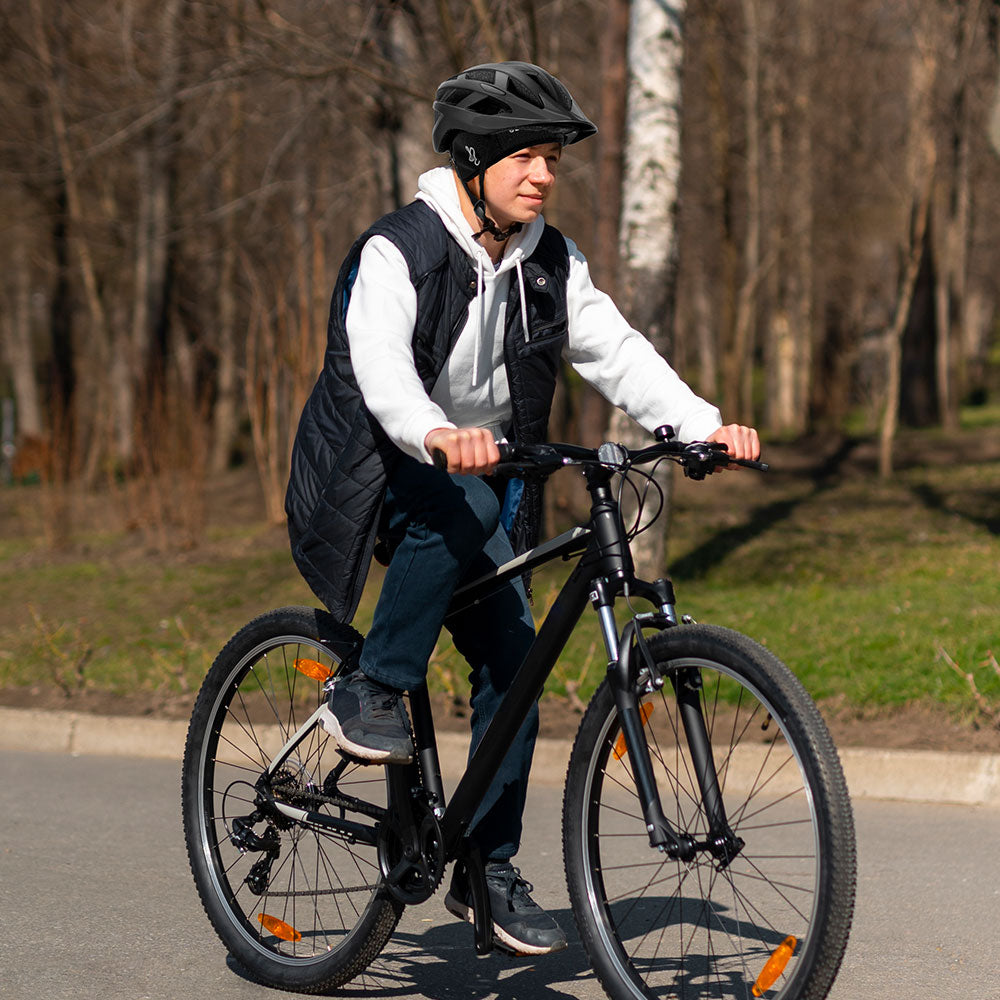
506, 450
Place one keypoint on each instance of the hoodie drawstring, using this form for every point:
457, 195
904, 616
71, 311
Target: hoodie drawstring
481, 324
481, 316
524, 306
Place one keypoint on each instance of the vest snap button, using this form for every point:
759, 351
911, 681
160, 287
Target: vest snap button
540, 281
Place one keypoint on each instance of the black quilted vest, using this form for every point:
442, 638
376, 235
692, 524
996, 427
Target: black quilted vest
341, 454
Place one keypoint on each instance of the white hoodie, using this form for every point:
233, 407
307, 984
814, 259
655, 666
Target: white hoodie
472, 389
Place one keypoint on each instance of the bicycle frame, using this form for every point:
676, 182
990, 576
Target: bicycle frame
603, 572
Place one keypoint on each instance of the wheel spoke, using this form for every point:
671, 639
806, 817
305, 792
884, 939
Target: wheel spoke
705, 928
295, 902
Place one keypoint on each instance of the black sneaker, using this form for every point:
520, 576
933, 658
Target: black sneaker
520, 925
367, 719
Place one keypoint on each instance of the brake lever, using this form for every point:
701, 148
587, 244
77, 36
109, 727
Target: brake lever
700, 459
703, 458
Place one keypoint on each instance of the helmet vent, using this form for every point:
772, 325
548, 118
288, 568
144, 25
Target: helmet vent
483, 75
551, 86
517, 88
451, 95
490, 106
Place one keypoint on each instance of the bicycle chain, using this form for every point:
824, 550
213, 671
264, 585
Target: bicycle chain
291, 791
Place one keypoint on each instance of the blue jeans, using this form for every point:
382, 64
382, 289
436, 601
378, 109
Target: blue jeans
448, 529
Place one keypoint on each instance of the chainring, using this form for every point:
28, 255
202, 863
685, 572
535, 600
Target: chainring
411, 859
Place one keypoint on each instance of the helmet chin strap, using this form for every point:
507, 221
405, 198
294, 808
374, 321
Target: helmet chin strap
479, 208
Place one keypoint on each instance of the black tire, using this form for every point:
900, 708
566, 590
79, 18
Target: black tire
324, 889
654, 927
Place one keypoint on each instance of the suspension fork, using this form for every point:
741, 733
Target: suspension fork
625, 672
622, 676
723, 842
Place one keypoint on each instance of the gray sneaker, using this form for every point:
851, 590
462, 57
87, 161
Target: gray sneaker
367, 719
520, 925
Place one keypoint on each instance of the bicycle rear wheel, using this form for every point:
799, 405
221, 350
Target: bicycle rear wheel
299, 906
656, 927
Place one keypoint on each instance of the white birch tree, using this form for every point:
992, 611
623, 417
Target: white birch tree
648, 235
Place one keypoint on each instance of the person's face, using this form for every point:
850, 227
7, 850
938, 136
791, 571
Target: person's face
518, 185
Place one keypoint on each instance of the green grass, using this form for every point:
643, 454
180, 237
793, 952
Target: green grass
866, 590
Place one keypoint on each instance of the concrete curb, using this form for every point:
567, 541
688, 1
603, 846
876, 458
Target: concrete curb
907, 775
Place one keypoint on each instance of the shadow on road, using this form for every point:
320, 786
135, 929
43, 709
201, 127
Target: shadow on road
441, 964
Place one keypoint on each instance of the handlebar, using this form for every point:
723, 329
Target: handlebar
698, 458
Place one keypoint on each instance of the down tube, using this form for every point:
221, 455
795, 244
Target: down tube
526, 689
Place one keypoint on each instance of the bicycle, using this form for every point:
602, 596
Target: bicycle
707, 831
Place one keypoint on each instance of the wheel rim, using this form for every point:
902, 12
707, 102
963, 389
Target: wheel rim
680, 930
321, 890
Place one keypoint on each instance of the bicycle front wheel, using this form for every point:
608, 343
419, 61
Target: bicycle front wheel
773, 920
299, 905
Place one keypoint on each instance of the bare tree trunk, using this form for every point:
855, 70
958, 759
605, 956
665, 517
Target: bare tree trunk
161, 142
132, 348
739, 362
592, 409
993, 125
95, 393
802, 275
953, 232
716, 313
977, 328
129, 373
789, 219
19, 353
610, 144
400, 148
921, 167
648, 229
18, 350
776, 325
263, 384
412, 153
704, 320
894, 336
225, 415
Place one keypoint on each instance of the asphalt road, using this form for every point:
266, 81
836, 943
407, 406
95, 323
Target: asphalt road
97, 901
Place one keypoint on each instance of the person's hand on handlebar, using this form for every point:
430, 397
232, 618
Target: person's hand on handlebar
468, 450
741, 442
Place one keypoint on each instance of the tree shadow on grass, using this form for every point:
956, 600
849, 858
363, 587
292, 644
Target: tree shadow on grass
715, 550
980, 507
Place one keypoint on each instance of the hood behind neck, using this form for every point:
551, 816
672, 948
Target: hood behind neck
438, 189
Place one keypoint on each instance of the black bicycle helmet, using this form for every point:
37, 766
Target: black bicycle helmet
489, 111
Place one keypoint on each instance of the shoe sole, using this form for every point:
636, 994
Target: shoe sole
504, 941
369, 755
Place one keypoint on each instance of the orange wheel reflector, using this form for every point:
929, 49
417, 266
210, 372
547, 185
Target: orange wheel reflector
313, 669
279, 928
774, 966
645, 711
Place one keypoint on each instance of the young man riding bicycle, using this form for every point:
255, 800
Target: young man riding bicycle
449, 321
